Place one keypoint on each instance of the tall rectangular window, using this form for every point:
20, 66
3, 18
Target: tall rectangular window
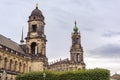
34, 28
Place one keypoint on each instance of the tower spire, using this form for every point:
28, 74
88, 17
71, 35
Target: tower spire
75, 22
22, 41
75, 27
37, 5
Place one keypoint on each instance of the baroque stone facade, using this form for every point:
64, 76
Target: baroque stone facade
31, 56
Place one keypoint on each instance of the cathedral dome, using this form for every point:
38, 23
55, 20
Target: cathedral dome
36, 15
36, 12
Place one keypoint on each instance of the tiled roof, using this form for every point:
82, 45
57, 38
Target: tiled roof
10, 44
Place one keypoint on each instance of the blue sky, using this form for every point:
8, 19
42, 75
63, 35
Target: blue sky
97, 20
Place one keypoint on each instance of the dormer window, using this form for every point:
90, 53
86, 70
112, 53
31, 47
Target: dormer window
11, 51
0, 47
6, 49
34, 28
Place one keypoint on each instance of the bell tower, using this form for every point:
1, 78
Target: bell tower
76, 51
36, 38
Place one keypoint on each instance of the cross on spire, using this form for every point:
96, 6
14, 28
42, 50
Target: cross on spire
36, 5
75, 23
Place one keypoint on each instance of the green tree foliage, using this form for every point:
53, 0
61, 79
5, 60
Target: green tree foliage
90, 74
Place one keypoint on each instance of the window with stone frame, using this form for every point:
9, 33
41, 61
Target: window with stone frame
20, 65
0, 62
24, 68
34, 28
5, 63
10, 64
34, 48
15, 66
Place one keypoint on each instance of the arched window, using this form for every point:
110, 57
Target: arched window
5, 63
75, 58
33, 17
20, 65
10, 64
29, 69
34, 48
78, 57
15, 65
11, 78
34, 28
23, 68
0, 61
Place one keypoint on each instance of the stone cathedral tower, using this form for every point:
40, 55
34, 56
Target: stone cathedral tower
76, 51
36, 39
76, 61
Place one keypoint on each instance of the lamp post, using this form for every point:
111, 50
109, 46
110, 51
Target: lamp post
4, 74
44, 76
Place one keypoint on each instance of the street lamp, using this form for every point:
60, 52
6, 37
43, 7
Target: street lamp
4, 74
44, 75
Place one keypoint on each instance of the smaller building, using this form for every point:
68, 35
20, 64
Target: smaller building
115, 77
76, 61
